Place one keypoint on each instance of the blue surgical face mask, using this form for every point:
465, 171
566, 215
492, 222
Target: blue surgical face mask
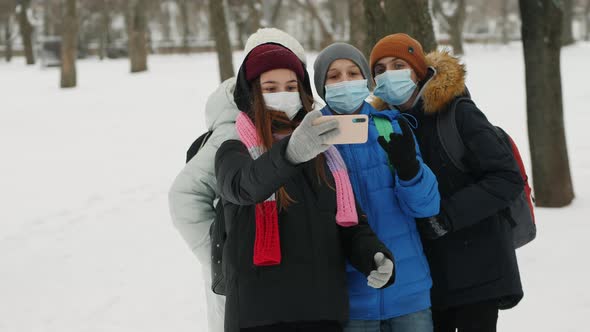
395, 87
346, 97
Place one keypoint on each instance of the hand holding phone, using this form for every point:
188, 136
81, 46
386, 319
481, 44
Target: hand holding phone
309, 140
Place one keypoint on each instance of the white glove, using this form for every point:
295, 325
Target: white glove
379, 277
307, 140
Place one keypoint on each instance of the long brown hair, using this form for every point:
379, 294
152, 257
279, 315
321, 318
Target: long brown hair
269, 122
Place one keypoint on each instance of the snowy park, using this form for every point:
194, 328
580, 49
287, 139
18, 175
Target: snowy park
86, 239
102, 219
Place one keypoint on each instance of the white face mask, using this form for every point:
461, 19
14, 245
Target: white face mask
286, 102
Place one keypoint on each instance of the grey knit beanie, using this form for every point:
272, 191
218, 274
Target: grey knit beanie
334, 52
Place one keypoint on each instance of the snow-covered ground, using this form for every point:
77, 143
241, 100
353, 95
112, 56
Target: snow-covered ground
86, 242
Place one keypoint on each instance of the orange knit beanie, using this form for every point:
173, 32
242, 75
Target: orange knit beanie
401, 46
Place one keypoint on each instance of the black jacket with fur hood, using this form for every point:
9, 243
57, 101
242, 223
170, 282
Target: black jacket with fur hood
476, 261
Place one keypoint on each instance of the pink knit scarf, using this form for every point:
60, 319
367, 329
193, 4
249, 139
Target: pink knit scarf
267, 247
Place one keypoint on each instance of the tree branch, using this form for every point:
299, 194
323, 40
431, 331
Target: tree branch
275, 13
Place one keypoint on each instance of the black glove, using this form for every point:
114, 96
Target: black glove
401, 151
432, 228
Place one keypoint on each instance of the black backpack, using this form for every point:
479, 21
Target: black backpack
520, 214
217, 229
197, 145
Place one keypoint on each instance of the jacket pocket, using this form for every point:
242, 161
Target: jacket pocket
473, 257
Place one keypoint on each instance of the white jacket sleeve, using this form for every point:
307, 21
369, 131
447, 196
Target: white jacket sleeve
193, 193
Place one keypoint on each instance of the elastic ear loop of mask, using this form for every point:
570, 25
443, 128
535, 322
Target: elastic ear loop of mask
412, 121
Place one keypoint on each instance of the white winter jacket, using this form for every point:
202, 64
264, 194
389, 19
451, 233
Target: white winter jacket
193, 193
192, 196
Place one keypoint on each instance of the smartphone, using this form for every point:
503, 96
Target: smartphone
354, 129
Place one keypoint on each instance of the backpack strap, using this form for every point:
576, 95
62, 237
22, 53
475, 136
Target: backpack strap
449, 136
207, 136
508, 216
197, 145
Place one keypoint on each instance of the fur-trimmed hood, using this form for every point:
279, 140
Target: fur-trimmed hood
447, 84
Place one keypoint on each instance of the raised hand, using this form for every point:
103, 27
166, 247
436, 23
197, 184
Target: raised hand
401, 150
307, 140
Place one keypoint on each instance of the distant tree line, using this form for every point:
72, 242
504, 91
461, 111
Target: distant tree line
182, 26
136, 28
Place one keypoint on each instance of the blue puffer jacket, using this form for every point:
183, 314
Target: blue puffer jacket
391, 206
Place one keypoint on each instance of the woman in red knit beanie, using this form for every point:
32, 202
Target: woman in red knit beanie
290, 213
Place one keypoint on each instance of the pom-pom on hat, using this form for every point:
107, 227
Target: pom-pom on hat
273, 35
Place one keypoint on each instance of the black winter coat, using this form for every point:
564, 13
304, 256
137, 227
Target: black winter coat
476, 261
310, 283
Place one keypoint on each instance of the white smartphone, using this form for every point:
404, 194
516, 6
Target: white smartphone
354, 129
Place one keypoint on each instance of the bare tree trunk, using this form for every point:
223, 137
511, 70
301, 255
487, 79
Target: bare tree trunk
241, 27
377, 24
358, 29
332, 6
276, 13
8, 39
398, 20
541, 37
385, 17
457, 23
221, 36
453, 23
69, 44
309, 30
51, 17
136, 19
505, 12
457, 40
26, 31
327, 37
185, 23
421, 23
338, 17
105, 27
47, 18
568, 16
235, 9
587, 19
254, 15
165, 17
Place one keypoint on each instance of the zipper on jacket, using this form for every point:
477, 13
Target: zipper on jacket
364, 193
381, 313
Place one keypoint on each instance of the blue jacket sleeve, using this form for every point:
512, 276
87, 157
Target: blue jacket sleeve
419, 197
